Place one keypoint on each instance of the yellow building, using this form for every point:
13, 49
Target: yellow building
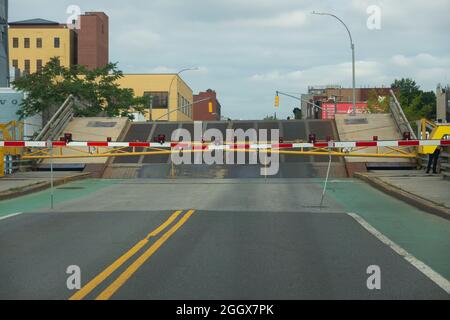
33, 42
176, 106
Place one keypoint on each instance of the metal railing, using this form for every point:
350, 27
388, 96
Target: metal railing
55, 126
443, 163
14, 163
399, 116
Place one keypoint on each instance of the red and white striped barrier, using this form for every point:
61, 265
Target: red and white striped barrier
212, 146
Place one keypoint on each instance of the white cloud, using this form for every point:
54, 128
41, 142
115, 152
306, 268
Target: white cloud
248, 49
137, 39
294, 19
421, 59
425, 68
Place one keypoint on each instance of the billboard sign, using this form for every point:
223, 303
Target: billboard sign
330, 109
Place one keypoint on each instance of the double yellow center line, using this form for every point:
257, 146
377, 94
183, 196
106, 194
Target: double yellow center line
125, 275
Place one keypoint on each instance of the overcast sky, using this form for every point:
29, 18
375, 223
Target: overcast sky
248, 49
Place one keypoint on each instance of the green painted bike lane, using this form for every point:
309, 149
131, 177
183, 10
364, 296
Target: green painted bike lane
41, 200
424, 235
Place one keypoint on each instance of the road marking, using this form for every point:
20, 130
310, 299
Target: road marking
83, 292
113, 287
162, 227
419, 265
10, 215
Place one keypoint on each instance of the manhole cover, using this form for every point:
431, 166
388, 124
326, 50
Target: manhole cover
70, 188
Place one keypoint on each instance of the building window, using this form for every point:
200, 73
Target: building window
15, 42
57, 42
39, 43
26, 42
15, 64
160, 99
38, 65
27, 67
182, 105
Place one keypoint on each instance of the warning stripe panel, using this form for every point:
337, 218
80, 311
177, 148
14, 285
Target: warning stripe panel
212, 146
14, 144
366, 144
409, 143
139, 144
321, 144
345, 144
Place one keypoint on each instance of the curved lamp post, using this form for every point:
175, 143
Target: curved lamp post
170, 86
352, 45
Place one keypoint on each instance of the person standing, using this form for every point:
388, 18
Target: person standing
433, 159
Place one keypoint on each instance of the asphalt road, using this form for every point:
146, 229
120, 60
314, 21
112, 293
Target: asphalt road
202, 239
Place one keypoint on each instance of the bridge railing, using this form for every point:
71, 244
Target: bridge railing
444, 162
54, 127
399, 116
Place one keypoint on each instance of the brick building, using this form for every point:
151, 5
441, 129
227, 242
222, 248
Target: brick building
34, 42
334, 93
93, 40
201, 109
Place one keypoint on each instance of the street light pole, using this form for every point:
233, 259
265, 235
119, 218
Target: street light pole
50, 146
150, 108
170, 87
183, 106
352, 46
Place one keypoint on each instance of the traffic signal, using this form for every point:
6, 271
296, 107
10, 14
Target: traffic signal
277, 101
406, 135
210, 106
160, 138
68, 137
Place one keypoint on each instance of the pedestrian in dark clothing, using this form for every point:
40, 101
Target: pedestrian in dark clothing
433, 158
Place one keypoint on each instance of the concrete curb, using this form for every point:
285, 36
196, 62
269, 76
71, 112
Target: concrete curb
40, 186
405, 196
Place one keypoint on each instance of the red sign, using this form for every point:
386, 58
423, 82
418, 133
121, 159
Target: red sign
329, 109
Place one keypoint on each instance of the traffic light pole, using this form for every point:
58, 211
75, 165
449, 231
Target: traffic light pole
300, 99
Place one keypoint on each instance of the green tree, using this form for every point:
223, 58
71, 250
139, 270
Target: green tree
96, 91
408, 90
298, 113
377, 104
416, 103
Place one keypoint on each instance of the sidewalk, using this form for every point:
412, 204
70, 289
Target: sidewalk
21, 183
427, 192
